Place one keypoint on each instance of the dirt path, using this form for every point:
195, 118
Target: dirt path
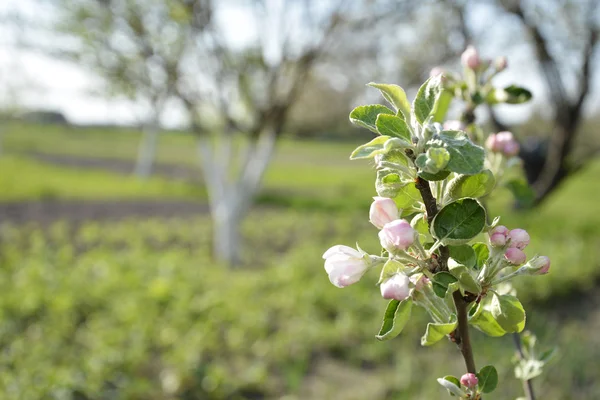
79, 211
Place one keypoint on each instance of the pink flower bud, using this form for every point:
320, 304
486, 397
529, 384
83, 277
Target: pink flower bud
498, 240
493, 144
397, 235
383, 210
515, 256
435, 71
470, 58
396, 287
539, 265
454, 125
519, 238
511, 148
504, 137
344, 265
500, 229
501, 63
469, 380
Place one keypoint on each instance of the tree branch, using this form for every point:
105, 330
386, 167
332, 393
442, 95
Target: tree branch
461, 335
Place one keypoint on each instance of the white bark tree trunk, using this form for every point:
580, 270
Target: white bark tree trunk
231, 191
147, 150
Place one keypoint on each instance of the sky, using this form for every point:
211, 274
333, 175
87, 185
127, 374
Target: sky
36, 81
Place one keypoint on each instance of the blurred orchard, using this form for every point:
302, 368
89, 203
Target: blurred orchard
171, 172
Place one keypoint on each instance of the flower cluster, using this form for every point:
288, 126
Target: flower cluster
430, 219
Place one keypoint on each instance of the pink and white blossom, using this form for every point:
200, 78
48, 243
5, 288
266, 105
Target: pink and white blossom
383, 210
397, 235
397, 287
344, 265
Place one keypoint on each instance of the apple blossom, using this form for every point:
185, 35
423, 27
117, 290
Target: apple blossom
383, 210
519, 238
469, 380
344, 265
397, 287
470, 58
397, 235
538, 265
515, 256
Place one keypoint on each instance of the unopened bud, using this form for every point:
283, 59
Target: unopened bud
344, 265
397, 235
515, 256
501, 63
469, 380
498, 240
519, 238
396, 287
539, 265
500, 229
383, 210
493, 144
470, 58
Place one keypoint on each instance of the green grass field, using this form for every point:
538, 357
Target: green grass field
135, 309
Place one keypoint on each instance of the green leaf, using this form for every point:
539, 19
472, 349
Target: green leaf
436, 331
522, 192
483, 320
482, 252
407, 196
426, 99
441, 282
389, 268
463, 274
548, 355
464, 254
528, 369
474, 186
517, 95
459, 221
487, 379
419, 223
508, 311
465, 157
396, 316
388, 183
452, 384
371, 149
433, 161
442, 105
440, 176
393, 126
366, 116
396, 96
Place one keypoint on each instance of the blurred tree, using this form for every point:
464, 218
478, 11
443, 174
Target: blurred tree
238, 90
136, 47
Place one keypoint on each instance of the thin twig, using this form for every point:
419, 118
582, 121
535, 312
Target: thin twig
527, 384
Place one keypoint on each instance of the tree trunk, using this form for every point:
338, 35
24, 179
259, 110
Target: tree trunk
147, 150
230, 198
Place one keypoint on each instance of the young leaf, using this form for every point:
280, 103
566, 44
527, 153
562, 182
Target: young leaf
483, 320
440, 176
459, 221
396, 316
366, 116
508, 311
482, 252
396, 96
487, 379
436, 331
465, 157
465, 279
393, 126
474, 186
407, 196
389, 268
441, 281
452, 384
371, 149
388, 183
464, 254
427, 96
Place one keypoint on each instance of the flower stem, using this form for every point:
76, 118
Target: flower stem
461, 334
527, 385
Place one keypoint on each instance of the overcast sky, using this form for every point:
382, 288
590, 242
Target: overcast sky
39, 82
